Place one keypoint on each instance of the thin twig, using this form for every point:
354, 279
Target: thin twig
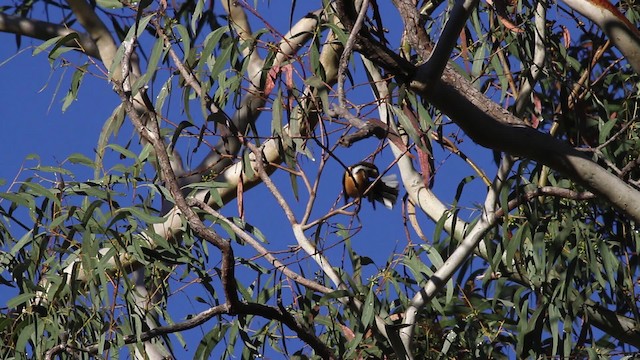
261, 250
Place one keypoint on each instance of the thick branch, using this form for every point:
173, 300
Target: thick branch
253, 101
491, 126
600, 317
462, 252
97, 30
431, 70
414, 27
44, 31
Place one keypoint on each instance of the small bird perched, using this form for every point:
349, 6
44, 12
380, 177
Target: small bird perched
359, 177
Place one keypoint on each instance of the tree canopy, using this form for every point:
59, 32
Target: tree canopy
220, 227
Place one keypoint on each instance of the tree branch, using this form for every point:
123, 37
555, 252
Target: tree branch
539, 56
432, 69
277, 264
151, 132
98, 31
414, 30
622, 33
286, 318
44, 31
458, 257
493, 127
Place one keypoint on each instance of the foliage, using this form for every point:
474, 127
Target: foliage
101, 268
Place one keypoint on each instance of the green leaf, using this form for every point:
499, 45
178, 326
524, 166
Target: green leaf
76, 80
513, 245
407, 125
437, 261
211, 42
502, 77
276, 115
218, 63
159, 51
247, 169
478, 61
184, 38
250, 229
433, 255
142, 215
210, 340
353, 344
605, 130
133, 31
19, 300
368, 309
337, 294
197, 14
420, 271
140, 26
45, 45
162, 95
20, 199
60, 46
110, 127
24, 337
610, 262
176, 134
338, 31
81, 159
554, 322
145, 153
110, 4
314, 59
39, 190
52, 169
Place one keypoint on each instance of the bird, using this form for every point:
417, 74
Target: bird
359, 177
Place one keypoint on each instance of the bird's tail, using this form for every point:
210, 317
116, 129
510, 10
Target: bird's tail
386, 191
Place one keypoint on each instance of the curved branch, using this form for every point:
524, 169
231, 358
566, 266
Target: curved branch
348, 49
419, 194
491, 126
602, 318
253, 101
281, 315
152, 135
232, 175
